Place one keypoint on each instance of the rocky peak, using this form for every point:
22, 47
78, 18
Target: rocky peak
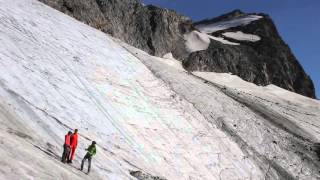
256, 52
268, 60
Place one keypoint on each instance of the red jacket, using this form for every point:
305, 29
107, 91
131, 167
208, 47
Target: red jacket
67, 139
74, 140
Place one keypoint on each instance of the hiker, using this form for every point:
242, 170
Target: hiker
66, 147
73, 145
91, 152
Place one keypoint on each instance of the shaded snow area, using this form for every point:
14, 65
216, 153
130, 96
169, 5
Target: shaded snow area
276, 129
218, 26
197, 41
242, 36
58, 74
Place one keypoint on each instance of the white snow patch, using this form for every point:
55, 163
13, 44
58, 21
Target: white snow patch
213, 27
171, 61
275, 94
234, 81
197, 41
222, 40
242, 36
168, 56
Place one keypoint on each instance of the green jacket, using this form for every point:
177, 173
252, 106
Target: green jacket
92, 150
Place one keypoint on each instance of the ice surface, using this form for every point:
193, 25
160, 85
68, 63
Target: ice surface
275, 127
213, 27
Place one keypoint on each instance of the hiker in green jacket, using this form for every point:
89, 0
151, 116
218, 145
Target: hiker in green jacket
91, 152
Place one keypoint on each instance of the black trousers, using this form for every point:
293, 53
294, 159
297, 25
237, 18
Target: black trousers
89, 157
65, 154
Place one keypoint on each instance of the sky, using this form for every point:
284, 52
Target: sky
298, 22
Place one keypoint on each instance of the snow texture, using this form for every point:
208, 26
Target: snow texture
242, 36
218, 26
273, 127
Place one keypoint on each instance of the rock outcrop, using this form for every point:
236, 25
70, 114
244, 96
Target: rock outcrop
160, 31
144, 176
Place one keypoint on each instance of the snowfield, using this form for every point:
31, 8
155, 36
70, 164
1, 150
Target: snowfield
276, 128
147, 114
218, 26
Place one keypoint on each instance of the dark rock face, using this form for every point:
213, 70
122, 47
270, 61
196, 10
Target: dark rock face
160, 31
152, 29
268, 61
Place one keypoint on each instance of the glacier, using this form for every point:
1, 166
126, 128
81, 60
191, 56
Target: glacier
146, 113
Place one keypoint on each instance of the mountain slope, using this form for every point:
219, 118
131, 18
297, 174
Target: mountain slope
161, 31
262, 57
276, 128
152, 29
151, 118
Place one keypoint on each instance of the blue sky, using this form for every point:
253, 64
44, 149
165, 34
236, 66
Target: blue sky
298, 22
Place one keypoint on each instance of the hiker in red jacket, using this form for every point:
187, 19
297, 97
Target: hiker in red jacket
66, 147
73, 144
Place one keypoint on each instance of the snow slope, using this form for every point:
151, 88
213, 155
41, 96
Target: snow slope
58, 74
146, 113
276, 128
